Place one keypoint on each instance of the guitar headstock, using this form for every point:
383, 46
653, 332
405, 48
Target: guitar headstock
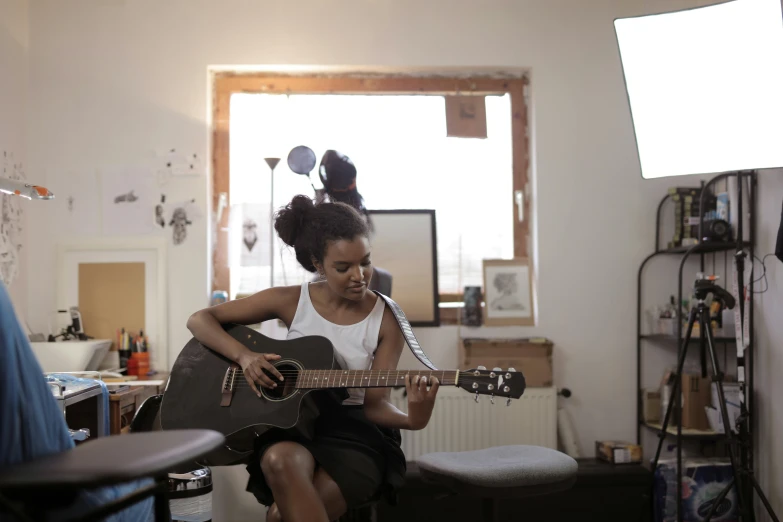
495, 383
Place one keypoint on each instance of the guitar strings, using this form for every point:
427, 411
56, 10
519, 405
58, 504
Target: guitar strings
366, 373
377, 375
375, 372
414, 372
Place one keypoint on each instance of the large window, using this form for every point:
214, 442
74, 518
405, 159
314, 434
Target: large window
404, 160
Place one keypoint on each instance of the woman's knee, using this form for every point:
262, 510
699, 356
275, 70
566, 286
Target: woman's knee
330, 494
285, 460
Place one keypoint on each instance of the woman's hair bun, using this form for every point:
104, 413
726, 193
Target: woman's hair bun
309, 228
291, 220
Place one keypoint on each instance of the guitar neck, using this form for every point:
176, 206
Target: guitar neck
320, 379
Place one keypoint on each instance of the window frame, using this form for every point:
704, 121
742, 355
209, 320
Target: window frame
227, 83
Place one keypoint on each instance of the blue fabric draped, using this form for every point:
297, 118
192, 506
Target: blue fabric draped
32, 426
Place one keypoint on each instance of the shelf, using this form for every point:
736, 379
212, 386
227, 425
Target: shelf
694, 338
703, 248
687, 433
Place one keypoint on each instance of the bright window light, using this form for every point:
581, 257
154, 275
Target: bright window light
404, 161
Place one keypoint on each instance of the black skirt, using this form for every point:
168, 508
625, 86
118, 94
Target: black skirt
365, 460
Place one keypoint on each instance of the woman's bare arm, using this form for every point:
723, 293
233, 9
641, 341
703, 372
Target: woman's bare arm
377, 406
273, 303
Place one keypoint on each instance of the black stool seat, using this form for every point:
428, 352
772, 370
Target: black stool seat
500, 472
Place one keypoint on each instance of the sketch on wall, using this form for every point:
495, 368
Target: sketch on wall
160, 218
177, 162
75, 208
10, 222
178, 216
182, 217
127, 200
254, 248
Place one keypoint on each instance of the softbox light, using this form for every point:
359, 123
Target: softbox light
705, 87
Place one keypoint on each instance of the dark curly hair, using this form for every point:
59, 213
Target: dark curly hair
338, 175
309, 227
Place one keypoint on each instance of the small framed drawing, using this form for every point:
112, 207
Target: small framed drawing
508, 292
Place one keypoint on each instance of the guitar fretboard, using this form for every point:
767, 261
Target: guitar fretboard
314, 379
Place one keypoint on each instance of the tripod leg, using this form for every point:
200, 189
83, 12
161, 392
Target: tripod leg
675, 388
704, 323
716, 502
763, 498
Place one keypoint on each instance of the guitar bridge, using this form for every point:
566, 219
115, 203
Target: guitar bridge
228, 385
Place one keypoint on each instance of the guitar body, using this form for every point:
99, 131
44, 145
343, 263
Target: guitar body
194, 397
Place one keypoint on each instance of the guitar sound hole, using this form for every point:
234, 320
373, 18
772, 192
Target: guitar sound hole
286, 388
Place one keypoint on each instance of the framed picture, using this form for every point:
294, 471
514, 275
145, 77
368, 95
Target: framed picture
404, 244
508, 292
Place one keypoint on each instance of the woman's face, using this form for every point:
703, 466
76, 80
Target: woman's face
347, 267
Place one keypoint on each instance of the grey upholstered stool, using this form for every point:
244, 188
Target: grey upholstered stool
500, 472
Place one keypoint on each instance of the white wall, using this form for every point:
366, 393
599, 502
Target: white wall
13, 92
112, 81
769, 344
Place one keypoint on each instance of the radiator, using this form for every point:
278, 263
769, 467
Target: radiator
459, 424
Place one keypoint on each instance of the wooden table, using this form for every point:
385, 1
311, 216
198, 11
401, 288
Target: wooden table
122, 407
124, 404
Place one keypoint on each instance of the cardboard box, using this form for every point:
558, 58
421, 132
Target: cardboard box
618, 452
532, 357
696, 395
651, 406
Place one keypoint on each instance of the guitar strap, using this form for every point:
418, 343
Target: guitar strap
407, 331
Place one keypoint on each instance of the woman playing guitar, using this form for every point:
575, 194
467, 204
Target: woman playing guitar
355, 453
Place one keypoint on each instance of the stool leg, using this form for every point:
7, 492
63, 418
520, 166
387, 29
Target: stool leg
162, 513
490, 510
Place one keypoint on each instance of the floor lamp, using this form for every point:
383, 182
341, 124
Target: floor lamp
272, 162
703, 88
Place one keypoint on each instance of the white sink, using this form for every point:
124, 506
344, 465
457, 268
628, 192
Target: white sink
71, 356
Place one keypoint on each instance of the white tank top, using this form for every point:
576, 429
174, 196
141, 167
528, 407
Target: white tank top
354, 344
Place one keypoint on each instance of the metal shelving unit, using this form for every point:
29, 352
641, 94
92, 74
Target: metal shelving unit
676, 432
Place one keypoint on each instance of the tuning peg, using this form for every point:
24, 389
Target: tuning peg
482, 368
508, 401
511, 370
492, 398
476, 396
496, 369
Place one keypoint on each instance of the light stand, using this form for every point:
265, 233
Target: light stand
272, 162
744, 476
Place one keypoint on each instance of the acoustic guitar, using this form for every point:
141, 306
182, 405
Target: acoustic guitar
208, 391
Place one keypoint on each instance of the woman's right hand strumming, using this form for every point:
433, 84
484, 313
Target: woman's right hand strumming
272, 303
253, 365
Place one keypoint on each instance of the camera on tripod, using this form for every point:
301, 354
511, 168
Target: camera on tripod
705, 286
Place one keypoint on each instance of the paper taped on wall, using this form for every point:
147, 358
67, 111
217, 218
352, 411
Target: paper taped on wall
127, 200
10, 222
